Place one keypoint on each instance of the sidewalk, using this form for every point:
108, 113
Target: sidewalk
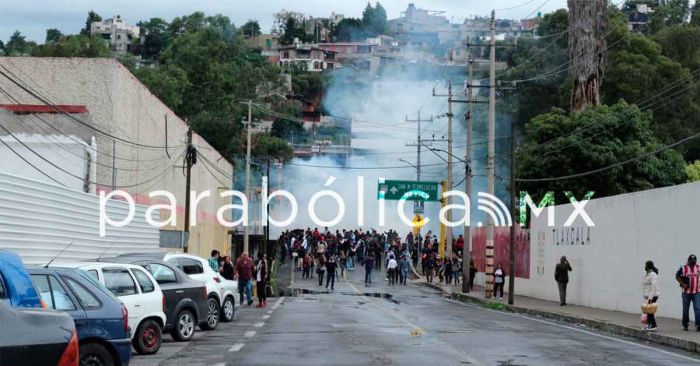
670, 332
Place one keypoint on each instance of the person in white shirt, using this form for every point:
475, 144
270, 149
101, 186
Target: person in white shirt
498, 279
391, 270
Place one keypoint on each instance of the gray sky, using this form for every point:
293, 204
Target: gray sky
33, 17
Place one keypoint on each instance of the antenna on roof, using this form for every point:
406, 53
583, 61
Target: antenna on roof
105, 251
57, 255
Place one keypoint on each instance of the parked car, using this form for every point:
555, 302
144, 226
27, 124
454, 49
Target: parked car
141, 295
16, 287
185, 298
101, 320
37, 337
221, 293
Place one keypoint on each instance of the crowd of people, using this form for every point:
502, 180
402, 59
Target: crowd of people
245, 270
328, 255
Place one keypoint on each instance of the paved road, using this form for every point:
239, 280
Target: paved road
415, 327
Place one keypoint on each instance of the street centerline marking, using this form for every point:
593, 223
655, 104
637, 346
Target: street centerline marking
266, 316
259, 325
278, 303
249, 333
236, 347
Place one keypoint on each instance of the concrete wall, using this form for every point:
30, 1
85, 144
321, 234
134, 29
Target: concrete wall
120, 105
608, 259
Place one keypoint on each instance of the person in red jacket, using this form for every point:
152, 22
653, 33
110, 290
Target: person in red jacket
244, 269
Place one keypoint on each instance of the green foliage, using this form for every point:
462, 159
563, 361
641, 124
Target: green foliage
92, 17
681, 43
374, 19
156, 36
251, 28
77, 45
18, 45
271, 147
293, 29
53, 35
693, 171
672, 12
609, 134
348, 30
555, 23
695, 14
167, 83
310, 85
289, 129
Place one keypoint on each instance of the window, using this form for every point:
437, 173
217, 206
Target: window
191, 266
161, 273
144, 282
285, 54
52, 292
93, 275
86, 298
119, 281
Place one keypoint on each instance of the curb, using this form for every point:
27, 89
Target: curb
611, 328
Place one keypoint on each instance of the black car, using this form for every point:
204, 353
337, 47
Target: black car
185, 298
37, 337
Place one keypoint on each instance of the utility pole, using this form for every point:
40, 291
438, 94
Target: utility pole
466, 252
418, 143
511, 281
448, 230
189, 160
247, 176
491, 155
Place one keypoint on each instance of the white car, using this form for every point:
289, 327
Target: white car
223, 293
141, 295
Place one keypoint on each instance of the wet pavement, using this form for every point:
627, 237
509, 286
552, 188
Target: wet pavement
398, 325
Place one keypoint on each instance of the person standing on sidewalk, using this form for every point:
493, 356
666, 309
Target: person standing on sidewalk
472, 273
687, 277
331, 266
650, 289
499, 277
561, 275
244, 269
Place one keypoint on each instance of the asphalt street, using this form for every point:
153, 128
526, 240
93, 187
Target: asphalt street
400, 325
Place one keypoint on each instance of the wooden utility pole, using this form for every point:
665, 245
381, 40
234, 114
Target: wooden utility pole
246, 228
189, 160
513, 195
418, 144
490, 169
466, 252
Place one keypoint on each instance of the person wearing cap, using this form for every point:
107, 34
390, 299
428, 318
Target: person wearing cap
687, 277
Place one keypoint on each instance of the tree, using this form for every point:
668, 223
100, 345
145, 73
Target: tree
349, 29
74, 46
587, 48
156, 38
680, 43
607, 135
693, 171
2, 47
670, 13
251, 28
553, 24
18, 45
166, 82
374, 19
92, 17
292, 30
271, 148
695, 14
53, 35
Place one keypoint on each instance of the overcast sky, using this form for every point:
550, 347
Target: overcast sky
33, 17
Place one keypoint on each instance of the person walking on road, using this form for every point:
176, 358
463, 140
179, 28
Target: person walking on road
651, 292
391, 268
244, 269
499, 277
321, 269
687, 277
369, 266
260, 277
404, 267
429, 268
331, 266
561, 275
227, 271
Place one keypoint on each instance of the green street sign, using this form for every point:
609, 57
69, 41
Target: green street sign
414, 191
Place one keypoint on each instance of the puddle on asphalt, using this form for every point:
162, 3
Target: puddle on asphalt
303, 291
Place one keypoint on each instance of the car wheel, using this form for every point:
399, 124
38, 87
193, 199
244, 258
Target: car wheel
213, 312
183, 329
228, 309
148, 338
95, 354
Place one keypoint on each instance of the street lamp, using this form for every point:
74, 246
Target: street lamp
409, 163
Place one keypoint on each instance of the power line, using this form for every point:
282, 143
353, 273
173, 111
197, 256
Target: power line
30, 164
516, 6
58, 110
578, 175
